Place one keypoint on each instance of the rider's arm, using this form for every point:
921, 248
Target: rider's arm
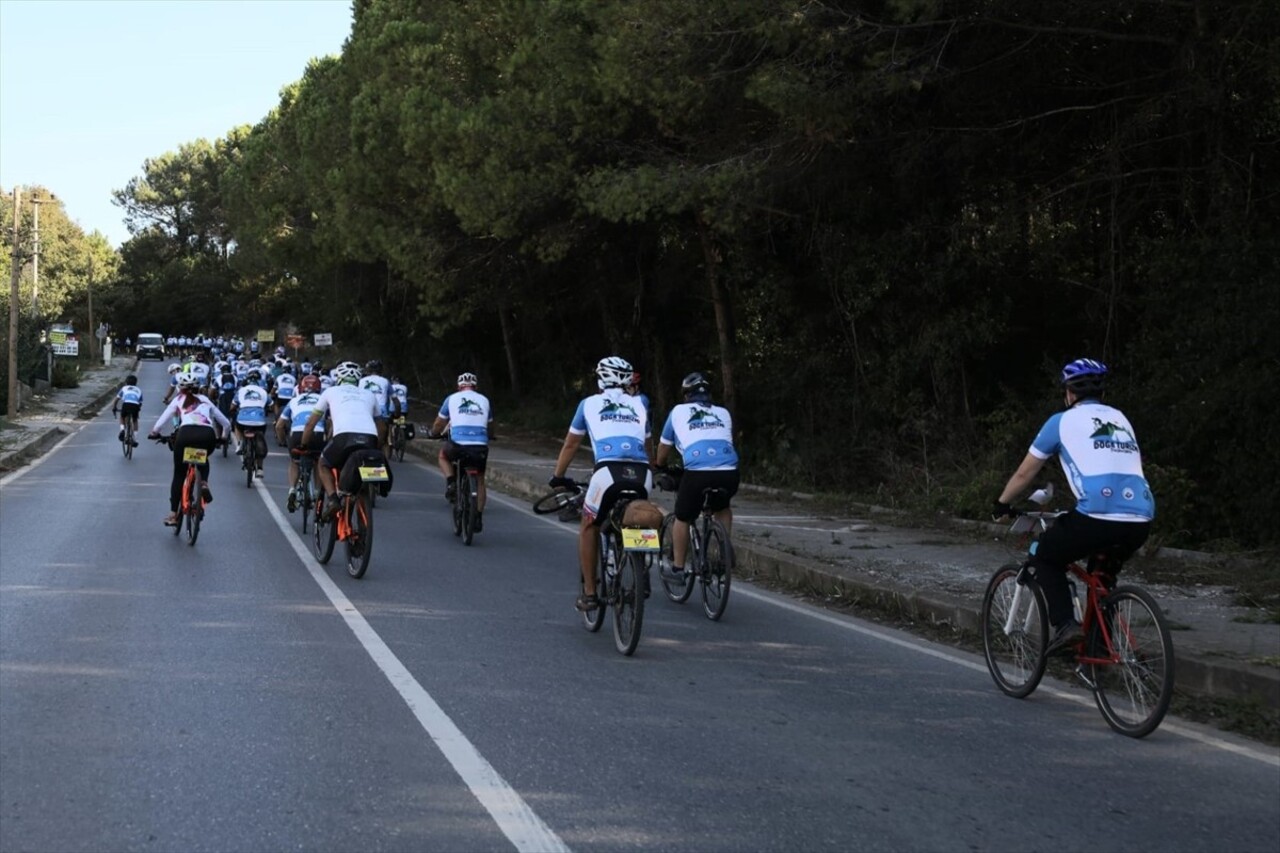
664, 450
571, 442
1021, 478
438, 425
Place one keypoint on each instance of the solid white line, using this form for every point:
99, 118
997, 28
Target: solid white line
517, 821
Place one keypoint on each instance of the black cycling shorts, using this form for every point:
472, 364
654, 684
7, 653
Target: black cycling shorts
314, 448
476, 454
692, 484
341, 446
130, 410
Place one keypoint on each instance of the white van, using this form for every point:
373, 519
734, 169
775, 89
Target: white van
150, 345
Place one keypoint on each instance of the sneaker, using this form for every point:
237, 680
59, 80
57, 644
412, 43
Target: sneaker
239, 450
329, 504
587, 603
171, 520
120, 436
133, 443
1064, 638
451, 492
205, 494
257, 472
292, 503
675, 573
479, 525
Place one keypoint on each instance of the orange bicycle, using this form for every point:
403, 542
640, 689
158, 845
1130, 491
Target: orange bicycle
351, 523
1125, 657
191, 508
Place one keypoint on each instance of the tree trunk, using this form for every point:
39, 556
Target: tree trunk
508, 346
723, 312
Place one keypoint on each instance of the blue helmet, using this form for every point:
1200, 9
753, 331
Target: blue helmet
1085, 376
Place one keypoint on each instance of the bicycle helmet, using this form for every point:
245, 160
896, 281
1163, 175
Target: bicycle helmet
174, 369
613, 372
467, 380
374, 366
188, 381
348, 372
695, 383
309, 383
1085, 376
131, 380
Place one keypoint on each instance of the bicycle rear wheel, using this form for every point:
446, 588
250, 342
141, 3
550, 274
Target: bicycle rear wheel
676, 590
397, 445
250, 461
717, 572
467, 497
554, 502
1015, 632
360, 536
1134, 692
324, 535
195, 510
627, 596
128, 442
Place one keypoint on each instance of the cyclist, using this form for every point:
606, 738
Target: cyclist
173, 370
702, 433
129, 401
250, 410
374, 382
285, 387
398, 398
226, 386
1099, 454
351, 409
469, 418
292, 420
198, 417
617, 425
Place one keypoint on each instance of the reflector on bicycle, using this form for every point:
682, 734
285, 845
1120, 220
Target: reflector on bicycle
197, 455
373, 475
639, 539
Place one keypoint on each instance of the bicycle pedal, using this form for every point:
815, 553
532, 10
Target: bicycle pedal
1089, 683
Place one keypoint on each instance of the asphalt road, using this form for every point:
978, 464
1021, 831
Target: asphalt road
236, 696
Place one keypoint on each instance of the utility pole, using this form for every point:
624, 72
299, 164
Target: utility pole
35, 256
14, 274
93, 330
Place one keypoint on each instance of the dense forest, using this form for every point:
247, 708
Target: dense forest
881, 225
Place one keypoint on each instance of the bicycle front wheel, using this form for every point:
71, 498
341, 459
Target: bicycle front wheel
1015, 632
360, 536
324, 534
627, 593
717, 572
553, 502
676, 590
1134, 690
304, 487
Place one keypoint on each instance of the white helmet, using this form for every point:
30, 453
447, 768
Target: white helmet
467, 379
187, 380
613, 372
347, 371
175, 369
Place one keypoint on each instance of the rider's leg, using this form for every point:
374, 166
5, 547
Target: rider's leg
588, 554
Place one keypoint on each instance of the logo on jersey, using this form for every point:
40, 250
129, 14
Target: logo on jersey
619, 412
469, 407
704, 419
1109, 436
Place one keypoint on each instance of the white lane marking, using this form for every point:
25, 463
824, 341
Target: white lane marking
517, 821
1272, 758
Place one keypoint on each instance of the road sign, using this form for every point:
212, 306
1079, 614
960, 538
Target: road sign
266, 336
296, 341
324, 339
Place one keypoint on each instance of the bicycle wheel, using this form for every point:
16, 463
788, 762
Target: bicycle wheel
360, 539
628, 602
467, 497
593, 620
250, 461
678, 591
397, 444
1133, 692
195, 509
554, 502
128, 442
324, 535
717, 567
304, 487
1015, 632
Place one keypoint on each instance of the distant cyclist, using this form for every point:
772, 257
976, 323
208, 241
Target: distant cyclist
129, 401
1099, 454
249, 411
617, 425
467, 414
702, 433
375, 383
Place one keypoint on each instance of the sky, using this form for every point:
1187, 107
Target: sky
89, 89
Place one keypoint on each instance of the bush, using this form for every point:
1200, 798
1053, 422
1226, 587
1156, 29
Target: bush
66, 373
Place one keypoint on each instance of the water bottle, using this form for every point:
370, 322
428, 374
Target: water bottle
1075, 601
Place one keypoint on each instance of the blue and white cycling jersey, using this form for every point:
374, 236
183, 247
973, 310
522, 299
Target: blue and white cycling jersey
400, 393
468, 414
252, 401
617, 424
1099, 454
285, 386
703, 434
378, 386
299, 409
130, 394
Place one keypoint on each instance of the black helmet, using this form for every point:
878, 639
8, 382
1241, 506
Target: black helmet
131, 380
374, 366
695, 383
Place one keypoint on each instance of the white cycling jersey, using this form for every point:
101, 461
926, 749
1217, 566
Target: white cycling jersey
252, 403
350, 408
617, 424
379, 386
192, 410
285, 386
299, 409
468, 414
703, 434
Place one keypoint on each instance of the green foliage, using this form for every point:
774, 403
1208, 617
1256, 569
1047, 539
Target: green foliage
66, 373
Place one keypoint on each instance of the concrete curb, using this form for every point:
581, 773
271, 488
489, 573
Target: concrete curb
1197, 674
32, 450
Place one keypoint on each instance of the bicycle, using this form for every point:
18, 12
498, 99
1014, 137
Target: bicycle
250, 448
622, 574
192, 503
129, 442
399, 438
351, 523
1125, 657
466, 480
709, 560
305, 488
561, 500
